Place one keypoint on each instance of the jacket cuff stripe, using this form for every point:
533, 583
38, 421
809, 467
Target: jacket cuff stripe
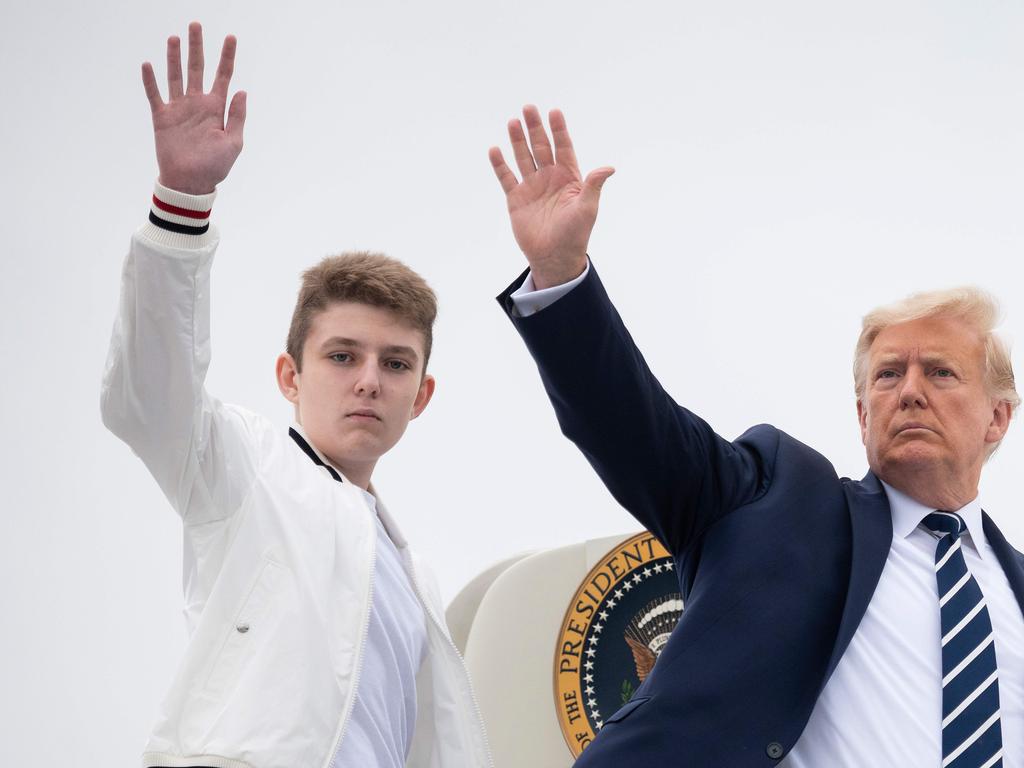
181, 229
176, 210
179, 214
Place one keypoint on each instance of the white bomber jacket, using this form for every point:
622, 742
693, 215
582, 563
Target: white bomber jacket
278, 557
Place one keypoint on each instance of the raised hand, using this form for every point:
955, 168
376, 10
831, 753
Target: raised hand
553, 209
194, 148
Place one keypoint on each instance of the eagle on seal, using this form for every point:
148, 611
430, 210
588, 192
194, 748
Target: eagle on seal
649, 630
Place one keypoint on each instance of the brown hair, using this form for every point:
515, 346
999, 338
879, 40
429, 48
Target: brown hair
365, 278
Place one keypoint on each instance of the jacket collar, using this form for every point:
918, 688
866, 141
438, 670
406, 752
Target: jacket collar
372, 499
295, 433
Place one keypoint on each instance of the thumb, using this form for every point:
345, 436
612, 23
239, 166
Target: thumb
236, 117
594, 181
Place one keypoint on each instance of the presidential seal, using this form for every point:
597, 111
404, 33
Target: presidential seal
616, 625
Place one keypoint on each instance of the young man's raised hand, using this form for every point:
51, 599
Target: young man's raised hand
553, 208
195, 149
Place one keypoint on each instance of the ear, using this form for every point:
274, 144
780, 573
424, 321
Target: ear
1001, 415
862, 418
288, 378
423, 396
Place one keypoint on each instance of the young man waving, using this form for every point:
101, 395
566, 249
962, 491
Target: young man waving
315, 638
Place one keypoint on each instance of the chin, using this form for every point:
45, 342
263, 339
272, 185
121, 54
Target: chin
910, 457
360, 448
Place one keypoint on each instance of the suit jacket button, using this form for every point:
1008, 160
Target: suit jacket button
774, 750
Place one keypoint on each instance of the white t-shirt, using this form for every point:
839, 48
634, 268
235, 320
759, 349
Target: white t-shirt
379, 730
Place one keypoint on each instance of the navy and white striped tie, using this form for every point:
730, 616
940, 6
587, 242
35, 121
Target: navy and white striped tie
971, 732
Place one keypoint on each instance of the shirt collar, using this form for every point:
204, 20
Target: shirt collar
907, 514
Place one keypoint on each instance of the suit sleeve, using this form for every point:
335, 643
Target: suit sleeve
153, 395
661, 462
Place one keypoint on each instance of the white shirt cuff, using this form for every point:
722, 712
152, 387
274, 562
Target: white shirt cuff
527, 300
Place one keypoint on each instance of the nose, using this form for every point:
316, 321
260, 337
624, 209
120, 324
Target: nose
912, 390
368, 382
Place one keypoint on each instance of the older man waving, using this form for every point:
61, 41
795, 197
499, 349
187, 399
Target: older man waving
828, 622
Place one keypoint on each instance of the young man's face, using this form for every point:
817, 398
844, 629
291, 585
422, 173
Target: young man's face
361, 382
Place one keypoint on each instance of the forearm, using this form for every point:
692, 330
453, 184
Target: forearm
661, 462
199, 451
152, 395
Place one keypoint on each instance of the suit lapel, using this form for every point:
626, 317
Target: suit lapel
1008, 557
871, 539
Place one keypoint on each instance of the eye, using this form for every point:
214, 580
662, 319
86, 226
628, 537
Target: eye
943, 373
340, 357
888, 373
398, 365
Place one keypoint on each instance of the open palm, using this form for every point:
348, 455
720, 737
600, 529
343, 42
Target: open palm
194, 148
553, 209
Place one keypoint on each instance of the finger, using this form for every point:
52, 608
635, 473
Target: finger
593, 183
506, 178
236, 117
520, 148
538, 136
152, 89
564, 152
173, 67
196, 65
226, 67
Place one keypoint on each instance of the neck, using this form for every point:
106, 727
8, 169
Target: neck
938, 492
357, 474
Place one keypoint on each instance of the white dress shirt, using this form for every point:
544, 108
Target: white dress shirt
883, 704
882, 707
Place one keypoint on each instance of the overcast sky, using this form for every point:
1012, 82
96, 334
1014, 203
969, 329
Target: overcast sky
782, 168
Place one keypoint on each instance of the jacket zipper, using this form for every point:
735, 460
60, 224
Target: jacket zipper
362, 647
451, 643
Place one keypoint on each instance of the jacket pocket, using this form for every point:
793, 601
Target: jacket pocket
248, 631
627, 709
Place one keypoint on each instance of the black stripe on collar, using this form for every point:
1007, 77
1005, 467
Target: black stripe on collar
308, 450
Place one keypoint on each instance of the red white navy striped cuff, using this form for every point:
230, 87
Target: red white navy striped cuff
180, 213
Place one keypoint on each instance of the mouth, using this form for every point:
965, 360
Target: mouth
363, 415
913, 426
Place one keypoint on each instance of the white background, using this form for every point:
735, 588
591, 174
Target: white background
782, 168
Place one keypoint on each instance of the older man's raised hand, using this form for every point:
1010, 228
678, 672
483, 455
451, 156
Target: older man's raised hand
552, 208
195, 149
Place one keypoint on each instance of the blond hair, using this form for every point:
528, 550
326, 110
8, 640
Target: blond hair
365, 278
978, 309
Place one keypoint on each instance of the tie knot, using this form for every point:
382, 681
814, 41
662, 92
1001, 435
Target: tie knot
944, 522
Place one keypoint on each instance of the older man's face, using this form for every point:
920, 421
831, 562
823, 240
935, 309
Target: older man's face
926, 410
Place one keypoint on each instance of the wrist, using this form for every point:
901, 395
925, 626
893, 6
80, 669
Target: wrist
554, 273
187, 186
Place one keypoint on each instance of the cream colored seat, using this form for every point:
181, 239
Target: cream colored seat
506, 622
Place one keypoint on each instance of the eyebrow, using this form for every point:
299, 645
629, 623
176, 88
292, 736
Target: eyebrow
930, 358
389, 349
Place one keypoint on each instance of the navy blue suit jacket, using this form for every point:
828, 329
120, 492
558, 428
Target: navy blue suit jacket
777, 555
